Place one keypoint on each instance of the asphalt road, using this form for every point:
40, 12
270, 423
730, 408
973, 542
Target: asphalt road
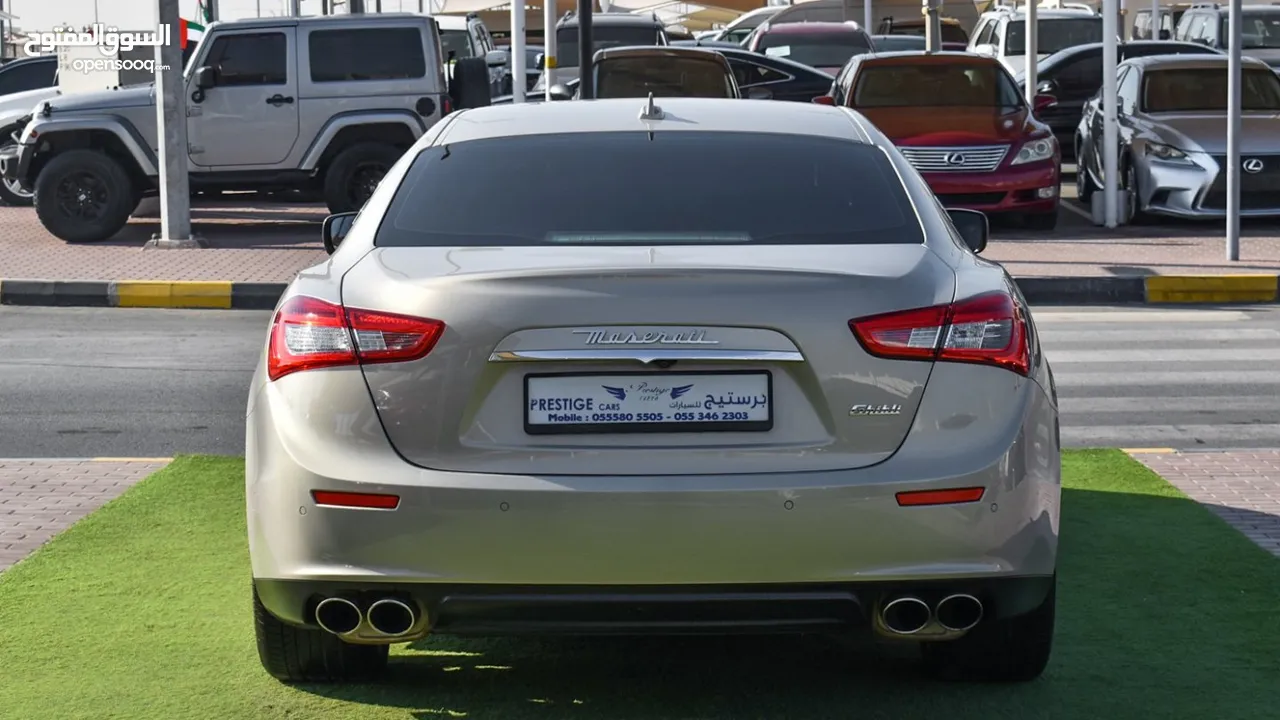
152, 383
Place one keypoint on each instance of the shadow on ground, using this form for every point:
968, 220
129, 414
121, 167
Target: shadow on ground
1161, 608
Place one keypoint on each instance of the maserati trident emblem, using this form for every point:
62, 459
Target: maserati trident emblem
688, 337
1252, 165
955, 158
876, 410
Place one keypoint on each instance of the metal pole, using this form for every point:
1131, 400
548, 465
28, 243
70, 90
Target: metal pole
356, 7
1033, 51
171, 127
517, 51
867, 18
1110, 128
548, 45
586, 77
1234, 101
933, 26
1157, 20
212, 10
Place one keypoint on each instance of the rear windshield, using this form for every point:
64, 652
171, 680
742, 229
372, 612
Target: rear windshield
669, 188
935, 85
1205, 89
815, 49
1054, 34
602, 37
636, 77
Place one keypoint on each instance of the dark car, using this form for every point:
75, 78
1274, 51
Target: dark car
637, 72
893, 43
32, 73
1074, 75
774, 78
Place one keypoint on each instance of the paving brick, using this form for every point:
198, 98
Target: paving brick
1243, 488
40, 498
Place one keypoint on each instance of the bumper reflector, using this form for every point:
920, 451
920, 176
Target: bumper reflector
355, 500
940, 497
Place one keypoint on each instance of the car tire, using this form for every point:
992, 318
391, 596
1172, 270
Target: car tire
1084, 185
470, 85
96, 179
303, 655
11, 192
1044, 222
354, 174
1015, 649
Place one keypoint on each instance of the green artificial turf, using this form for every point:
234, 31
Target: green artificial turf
141, 611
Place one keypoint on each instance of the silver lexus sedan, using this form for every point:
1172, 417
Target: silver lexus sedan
769, 387
1172, 113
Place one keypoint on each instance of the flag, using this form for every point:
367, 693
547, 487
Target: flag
185, 27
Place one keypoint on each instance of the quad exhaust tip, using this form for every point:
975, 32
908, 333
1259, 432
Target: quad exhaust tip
338, 616
906, 615
392, 617
959, 612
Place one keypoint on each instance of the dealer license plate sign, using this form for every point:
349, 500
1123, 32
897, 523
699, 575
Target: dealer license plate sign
648, 402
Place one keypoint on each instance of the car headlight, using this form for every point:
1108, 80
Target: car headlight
1167, 153
1036, 150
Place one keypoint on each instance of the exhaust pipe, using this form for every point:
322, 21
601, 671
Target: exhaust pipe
391, 617
959, 612
905, 615
338, 616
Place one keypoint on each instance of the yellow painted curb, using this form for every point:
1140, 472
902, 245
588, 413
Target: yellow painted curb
182, 294
1148, 451
1211, 288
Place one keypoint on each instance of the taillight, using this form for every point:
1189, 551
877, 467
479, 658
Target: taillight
988, 329
308, 334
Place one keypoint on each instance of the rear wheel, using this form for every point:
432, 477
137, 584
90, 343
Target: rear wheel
355, 174
1013, 649
295, 655
12, 192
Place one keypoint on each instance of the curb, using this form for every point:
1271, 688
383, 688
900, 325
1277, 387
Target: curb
227, 295
222, 295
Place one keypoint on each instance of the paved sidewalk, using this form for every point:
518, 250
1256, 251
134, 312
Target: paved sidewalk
1242, 487
265, 243
41, 498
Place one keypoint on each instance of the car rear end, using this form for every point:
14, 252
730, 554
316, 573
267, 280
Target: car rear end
825, 46
718, 416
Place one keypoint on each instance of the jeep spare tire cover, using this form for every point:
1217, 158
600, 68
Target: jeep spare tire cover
470, 86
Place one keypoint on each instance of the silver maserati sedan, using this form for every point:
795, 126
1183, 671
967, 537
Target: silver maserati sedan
769, 387
1172, 112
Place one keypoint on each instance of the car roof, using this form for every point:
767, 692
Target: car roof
389, 18
1190, 62
808, 28
623, 114
1222, 9
697, 53
614, 19
1047, 14
925, 57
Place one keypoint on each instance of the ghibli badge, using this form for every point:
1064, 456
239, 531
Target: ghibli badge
874, 410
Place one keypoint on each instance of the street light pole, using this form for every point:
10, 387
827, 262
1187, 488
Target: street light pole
932, 26
586, 76
548, 47
171, 127
1032, 50
1234, 101
517, 51
1110, 127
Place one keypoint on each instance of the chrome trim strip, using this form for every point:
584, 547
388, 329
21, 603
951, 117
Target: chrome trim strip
645, 355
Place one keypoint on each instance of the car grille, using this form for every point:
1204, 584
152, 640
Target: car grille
991, 198
1258, 191
984, 158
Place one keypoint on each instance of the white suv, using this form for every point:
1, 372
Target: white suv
466, 36
1002, 33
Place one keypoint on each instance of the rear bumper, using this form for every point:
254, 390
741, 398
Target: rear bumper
458, 535
1032, 189
503, 610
